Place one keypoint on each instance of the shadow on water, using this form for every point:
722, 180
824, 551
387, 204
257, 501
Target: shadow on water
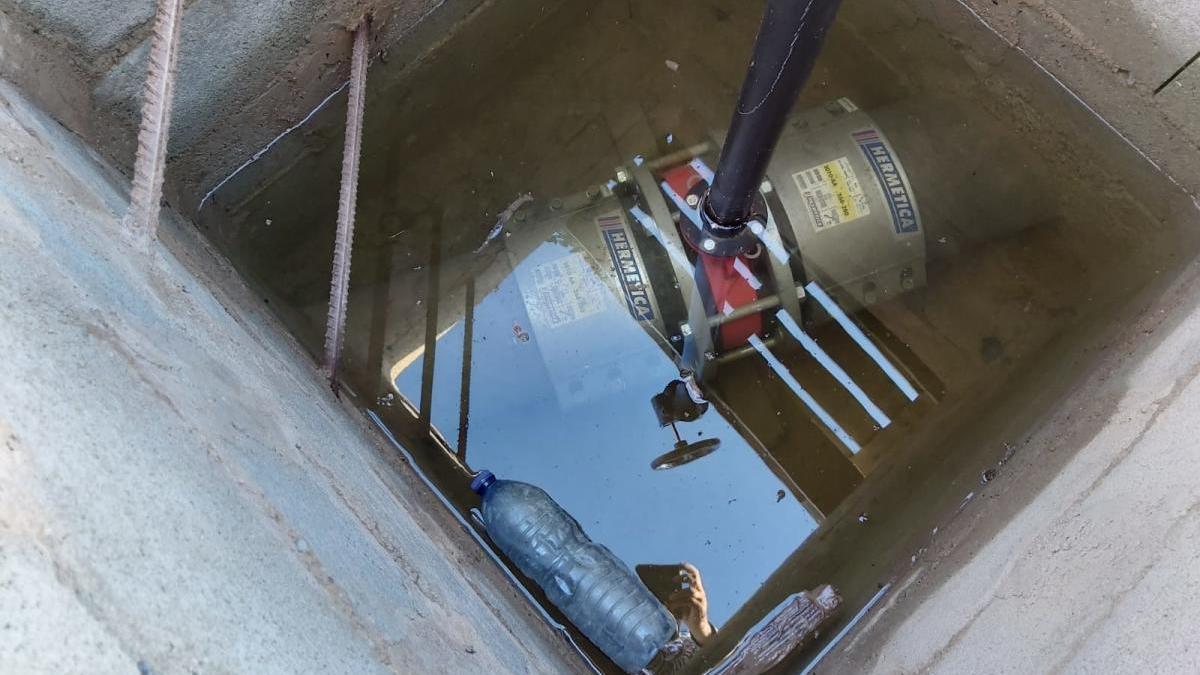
493, 331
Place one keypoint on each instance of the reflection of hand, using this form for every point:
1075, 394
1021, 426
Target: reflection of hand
689, 604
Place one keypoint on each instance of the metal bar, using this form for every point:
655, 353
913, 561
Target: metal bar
680, 203
683, 266
149, 167
760, 305
432, 291
810, 345
464, 388
678, 156
817, 410
861, 340
789, 41
339, 290
739, 353
780, 269
768, 458
700, 339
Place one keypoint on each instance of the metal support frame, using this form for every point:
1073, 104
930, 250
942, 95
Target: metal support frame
697, 321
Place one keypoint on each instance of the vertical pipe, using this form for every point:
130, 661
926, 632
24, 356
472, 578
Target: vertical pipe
339, 288
464, 389
149, 165
789, 41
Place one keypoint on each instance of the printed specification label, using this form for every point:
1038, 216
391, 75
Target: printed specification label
564, 291
832, 194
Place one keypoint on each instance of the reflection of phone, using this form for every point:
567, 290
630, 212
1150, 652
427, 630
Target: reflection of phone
662, 580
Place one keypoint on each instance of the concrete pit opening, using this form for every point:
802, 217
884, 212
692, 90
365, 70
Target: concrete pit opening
964, 281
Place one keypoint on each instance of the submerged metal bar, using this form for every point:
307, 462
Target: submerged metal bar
739, 353
339, 287
464, 388
817, 293
801, 393
149, 166
678, 156
678, 259
810, 345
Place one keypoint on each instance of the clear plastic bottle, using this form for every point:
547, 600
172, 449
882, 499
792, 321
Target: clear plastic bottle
592, 587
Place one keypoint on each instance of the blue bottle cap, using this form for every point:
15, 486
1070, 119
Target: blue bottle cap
482, 481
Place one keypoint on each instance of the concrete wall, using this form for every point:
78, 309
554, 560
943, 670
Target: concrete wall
152, 539
1123, 58
179, 490
93, 28
247, 70
1080, 556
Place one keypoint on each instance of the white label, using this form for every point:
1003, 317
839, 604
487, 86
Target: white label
563, 291
832, 194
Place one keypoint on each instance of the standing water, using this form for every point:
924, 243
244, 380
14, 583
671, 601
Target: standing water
520, 300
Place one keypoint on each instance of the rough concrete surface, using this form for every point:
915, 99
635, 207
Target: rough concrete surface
1082, 556
247, 70
1096, 571
179, 490
1180, 100
93, 26
1116, 55
36, 65
1167, 32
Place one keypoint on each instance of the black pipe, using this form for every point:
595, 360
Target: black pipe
789, 41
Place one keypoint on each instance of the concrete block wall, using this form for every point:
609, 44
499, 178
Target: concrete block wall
179, 489
1082, 558
1133, 61
247, 70
93, 28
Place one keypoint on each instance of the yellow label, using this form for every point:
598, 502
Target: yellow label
832, 194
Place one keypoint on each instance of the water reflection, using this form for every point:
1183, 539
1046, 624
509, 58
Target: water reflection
681, 588
560, 383
514, 342
589, 328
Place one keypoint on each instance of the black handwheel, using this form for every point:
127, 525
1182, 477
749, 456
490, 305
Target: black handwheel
685, 452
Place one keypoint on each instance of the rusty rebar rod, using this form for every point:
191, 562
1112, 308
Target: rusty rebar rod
145, 194
433, 301
339, 289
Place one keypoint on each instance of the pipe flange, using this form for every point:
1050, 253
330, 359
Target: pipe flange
722, 240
